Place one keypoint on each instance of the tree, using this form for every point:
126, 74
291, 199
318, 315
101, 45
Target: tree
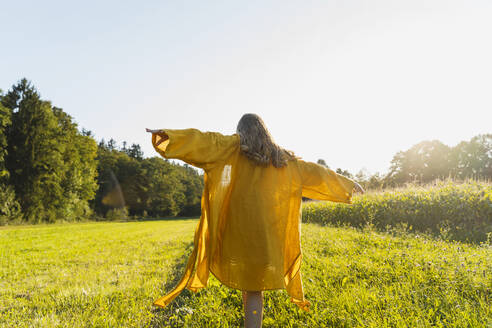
5, 122
112, 144
193, 187
151, 186
322, 163
134, 151
34, 157
79, 182
9, 207
424, 162
51, 164
473, 158
344, 173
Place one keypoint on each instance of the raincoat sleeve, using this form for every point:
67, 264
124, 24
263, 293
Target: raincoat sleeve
200, 149
319, 182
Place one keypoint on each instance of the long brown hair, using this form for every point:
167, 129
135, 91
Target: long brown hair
257, 144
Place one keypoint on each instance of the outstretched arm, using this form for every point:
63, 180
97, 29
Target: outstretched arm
200, 149
322, 183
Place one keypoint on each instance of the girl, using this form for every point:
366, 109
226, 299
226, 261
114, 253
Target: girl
248, 235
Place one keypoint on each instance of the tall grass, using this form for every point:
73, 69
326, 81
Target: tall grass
461, 212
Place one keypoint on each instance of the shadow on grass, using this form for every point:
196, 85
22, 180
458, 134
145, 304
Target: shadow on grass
170, 315
214, 306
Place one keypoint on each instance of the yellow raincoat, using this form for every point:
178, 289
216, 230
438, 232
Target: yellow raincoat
249, 230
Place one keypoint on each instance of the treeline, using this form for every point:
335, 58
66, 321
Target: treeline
49, 170
131, 185
428, 161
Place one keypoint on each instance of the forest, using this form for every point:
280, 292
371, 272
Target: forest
52, 170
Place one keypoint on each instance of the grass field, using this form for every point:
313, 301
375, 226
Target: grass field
108, 274
452, 210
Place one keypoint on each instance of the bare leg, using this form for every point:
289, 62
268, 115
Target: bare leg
253, 309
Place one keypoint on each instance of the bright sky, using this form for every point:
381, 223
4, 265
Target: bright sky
352, 82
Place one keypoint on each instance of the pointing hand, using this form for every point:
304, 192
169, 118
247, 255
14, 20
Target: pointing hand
161, 134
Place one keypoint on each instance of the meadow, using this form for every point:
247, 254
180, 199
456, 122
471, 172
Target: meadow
108, 275
445, 209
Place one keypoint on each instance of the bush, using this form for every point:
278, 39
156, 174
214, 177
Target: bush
9, 207
461, 212
117, 214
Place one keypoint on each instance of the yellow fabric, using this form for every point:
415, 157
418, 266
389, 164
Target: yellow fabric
249, 231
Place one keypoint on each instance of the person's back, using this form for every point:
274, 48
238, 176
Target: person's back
249, 231
258, 226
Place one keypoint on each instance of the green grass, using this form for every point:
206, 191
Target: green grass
453, 211
108, 275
